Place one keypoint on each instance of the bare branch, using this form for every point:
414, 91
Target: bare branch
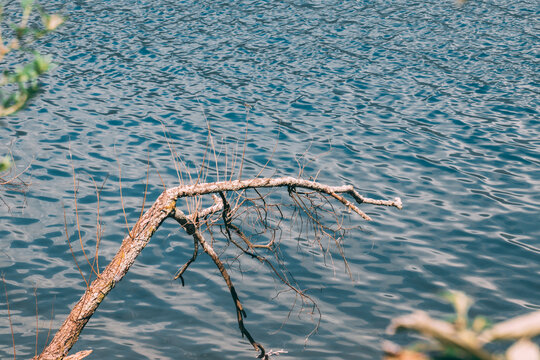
191, 229
166, 206
236, 185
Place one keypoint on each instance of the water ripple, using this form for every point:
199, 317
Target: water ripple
427, 101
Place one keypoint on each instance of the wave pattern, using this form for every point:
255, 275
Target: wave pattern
426, 101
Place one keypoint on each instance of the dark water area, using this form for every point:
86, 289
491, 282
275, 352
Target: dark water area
431, 102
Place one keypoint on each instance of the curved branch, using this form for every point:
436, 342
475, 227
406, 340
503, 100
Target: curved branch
146, 226
237, 185
184, 267
190, 227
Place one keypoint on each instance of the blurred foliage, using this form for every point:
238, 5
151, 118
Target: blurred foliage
464, 338
5, 164
19, 82
20, 73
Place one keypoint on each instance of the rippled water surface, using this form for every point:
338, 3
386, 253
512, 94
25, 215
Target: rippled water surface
423, 100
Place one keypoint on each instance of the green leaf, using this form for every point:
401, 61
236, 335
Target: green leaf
5, 164
25, 4
42, 63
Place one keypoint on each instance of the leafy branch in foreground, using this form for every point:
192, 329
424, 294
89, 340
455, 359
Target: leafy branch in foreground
465, 339
18, 83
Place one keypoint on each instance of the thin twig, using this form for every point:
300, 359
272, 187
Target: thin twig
37, 318
77, 214
50, 323
9, 318
71, 249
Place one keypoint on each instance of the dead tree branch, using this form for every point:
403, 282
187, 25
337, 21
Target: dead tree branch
191, 229
166, 206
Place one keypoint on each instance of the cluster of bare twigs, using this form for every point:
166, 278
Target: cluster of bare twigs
245, 215
250, 219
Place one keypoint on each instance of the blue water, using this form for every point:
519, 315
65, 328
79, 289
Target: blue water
427, 101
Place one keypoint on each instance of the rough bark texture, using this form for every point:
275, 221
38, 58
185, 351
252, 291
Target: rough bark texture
147, 225
131, 247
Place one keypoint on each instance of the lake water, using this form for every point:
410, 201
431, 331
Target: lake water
423, 100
